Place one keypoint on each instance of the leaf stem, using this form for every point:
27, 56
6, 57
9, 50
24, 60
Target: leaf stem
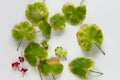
100, 48
65, 58
40, 75
19, 44
81, 2
96, 72
53, 77
37, 31
43, 0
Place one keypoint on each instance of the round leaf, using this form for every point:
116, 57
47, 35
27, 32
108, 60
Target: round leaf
57, 21
89, 34
23, 30
81, 66
34, 51
36, 12
74, 15
60, 52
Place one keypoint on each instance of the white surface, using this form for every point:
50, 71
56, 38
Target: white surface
105, 13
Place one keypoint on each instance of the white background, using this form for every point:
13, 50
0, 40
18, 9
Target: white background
105, 13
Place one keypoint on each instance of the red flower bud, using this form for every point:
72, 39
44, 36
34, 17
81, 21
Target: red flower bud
21, 59
24, 70
15, 64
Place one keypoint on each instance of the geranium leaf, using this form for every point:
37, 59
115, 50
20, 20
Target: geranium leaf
44, 68
89, 34
56, 68
45, 27
74, 15
34, 51
81, 66
23, 30
57, 21
60, 52
36, 12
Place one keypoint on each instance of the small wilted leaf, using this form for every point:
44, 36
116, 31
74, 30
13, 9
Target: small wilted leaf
36, 12
60, 52
45, 27
45, 44
81, 66
74, 15
89, 34
34, 52
23, 30
57, 21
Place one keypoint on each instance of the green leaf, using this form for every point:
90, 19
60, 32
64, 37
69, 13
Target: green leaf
51, 65
57, 21
60, 52
89, 34
81, 66
56, 68
74, 15
45, 27
33, 52
36, 12
44, 68
23, 30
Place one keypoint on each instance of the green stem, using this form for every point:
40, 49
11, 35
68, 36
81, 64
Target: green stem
19, 44
43, 0
96, 72
81, 2
40, 75
65, 58
100, 48
53, 77
37, 31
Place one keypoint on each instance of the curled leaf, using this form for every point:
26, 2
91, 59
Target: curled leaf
81, 66
23, 30
34, 52
36, 12
74, 15
45, 44
89, 34
57, 21
45, 27
60, 52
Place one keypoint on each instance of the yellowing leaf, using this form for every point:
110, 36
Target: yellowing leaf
57, 21
81, 66
23, 30
36, 12
74, 15
88, 35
